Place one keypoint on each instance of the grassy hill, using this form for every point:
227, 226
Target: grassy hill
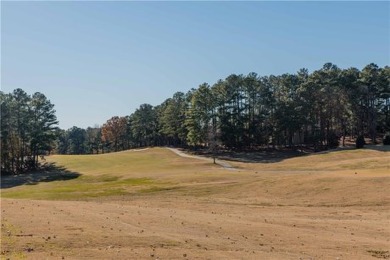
154, 204
323, 177
86, 176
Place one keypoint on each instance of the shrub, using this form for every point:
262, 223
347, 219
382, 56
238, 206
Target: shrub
386, 139
333, 140
360, 142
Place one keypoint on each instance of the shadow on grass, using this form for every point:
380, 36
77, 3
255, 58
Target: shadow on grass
48, 172
258, 156
278, 155
261, 156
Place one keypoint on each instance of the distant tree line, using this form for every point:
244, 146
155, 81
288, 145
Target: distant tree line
240, 112
250, 112
27, 130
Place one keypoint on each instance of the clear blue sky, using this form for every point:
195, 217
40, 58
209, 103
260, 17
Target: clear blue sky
95, 60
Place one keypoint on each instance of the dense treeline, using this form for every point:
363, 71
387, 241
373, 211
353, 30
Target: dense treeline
28, 130
240, 112
247, 112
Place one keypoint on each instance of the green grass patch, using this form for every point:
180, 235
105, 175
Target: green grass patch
121, 163
83, 187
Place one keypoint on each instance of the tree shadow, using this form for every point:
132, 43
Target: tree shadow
278, 155
47, 173
252, 156
374, 147
266, 156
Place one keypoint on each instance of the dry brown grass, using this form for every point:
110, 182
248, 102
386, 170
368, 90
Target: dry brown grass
324, 206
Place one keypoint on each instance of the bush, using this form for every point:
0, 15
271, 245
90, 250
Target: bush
360, 142
386, 139
333, 140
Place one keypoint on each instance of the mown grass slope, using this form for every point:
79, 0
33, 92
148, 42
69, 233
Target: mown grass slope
324, 178
121, 173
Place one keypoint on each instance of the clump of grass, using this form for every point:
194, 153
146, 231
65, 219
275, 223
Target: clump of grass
379, 253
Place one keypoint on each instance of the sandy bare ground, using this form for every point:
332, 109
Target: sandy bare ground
189, 228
